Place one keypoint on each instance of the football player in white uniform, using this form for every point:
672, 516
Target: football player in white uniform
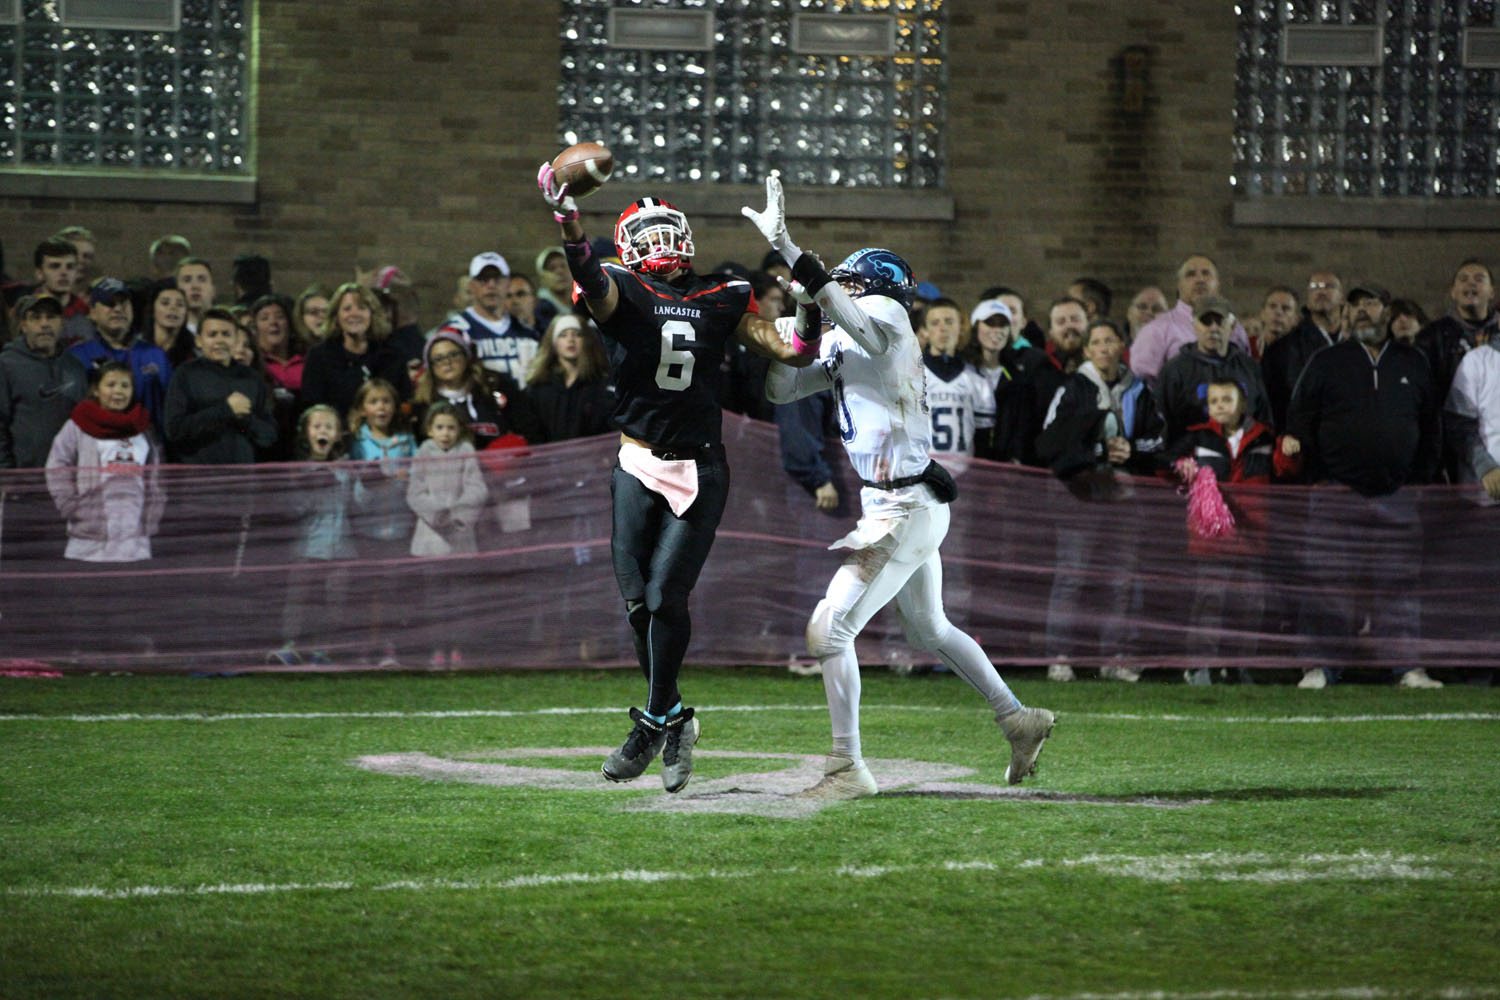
872, 362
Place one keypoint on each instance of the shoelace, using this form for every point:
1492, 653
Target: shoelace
670, 751
638, 742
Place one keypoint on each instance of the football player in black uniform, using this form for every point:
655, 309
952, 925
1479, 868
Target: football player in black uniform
665, 329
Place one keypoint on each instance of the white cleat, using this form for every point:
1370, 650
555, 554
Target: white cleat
1027, 730
1418, 678
842, 779
1313, 679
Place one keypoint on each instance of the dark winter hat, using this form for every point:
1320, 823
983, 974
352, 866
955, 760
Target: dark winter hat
1367, 290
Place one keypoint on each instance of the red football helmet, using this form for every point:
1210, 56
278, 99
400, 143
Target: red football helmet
654, 237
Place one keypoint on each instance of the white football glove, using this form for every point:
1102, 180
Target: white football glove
564, 208
795, 291
772, 222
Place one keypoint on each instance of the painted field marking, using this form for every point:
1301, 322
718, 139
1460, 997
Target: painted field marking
768, 793
1360, 866
485, 713
1330, 993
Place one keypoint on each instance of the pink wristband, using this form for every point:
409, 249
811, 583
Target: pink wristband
805, 348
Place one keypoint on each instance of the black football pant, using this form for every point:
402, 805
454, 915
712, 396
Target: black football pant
657, 558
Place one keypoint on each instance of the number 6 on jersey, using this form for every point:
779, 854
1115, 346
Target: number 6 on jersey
671, 356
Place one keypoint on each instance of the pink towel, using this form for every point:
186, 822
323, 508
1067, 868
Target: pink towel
676, 482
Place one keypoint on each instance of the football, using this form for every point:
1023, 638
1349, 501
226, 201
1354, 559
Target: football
584, 168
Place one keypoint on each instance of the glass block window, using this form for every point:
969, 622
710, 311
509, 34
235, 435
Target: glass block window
1417, 124
129, 100
748, 103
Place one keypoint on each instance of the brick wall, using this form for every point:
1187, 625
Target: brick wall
409, 133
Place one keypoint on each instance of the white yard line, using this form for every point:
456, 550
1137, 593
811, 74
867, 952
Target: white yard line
1332, 993
1213, 866
485, 713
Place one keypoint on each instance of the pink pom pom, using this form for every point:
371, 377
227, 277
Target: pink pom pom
1208, 516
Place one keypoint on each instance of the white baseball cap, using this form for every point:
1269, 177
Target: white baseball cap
488, 259
990, 308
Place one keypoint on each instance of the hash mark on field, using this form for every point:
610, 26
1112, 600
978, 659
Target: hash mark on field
1213, 866
487, 713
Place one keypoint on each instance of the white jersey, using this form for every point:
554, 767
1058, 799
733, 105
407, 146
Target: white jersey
875, 370
960, 405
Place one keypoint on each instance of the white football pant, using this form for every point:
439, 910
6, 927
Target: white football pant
904, 564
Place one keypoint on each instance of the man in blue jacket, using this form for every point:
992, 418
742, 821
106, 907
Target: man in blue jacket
112, 315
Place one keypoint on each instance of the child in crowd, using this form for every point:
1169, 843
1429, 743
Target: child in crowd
382, 437
1229, 586
318, 581
448, 494
959, 399
103, 472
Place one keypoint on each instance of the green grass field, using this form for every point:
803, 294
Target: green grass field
449, 836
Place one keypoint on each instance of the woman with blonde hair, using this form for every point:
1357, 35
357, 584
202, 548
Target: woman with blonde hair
569, 382
352, 351
309, 313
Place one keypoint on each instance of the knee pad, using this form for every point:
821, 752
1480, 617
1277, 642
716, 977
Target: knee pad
826, 634
670, 603
638, 616
925, 631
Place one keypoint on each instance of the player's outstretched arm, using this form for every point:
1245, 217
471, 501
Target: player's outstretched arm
777, 341
599, 292
785, 383
808, 272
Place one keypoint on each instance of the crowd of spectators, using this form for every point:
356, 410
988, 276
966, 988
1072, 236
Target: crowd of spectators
1337, 380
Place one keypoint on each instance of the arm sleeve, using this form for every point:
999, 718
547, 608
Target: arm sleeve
62, 474
474, 493
1428, 468
315, 381
1239, 336
190, 427
418, 496
1148, 353
868, 331
983, 403
785, 384
800, 427
7, 445
156, 494
260, 426
1461, 423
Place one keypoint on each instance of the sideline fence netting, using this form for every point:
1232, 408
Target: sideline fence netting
1315, 576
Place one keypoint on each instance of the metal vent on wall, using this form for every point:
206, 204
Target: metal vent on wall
1332, 45
1482, 48
844, 34
672, 30
121, 15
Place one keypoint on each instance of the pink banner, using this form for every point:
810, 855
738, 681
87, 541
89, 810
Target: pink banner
247, 559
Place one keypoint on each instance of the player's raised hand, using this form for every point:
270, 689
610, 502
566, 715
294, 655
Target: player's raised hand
795, 291
771, 222
564, 208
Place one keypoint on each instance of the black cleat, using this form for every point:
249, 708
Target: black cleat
638, 751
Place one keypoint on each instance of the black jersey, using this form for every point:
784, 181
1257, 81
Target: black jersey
665, 342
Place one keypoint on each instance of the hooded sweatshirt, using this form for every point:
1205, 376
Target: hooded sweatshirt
37, 394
